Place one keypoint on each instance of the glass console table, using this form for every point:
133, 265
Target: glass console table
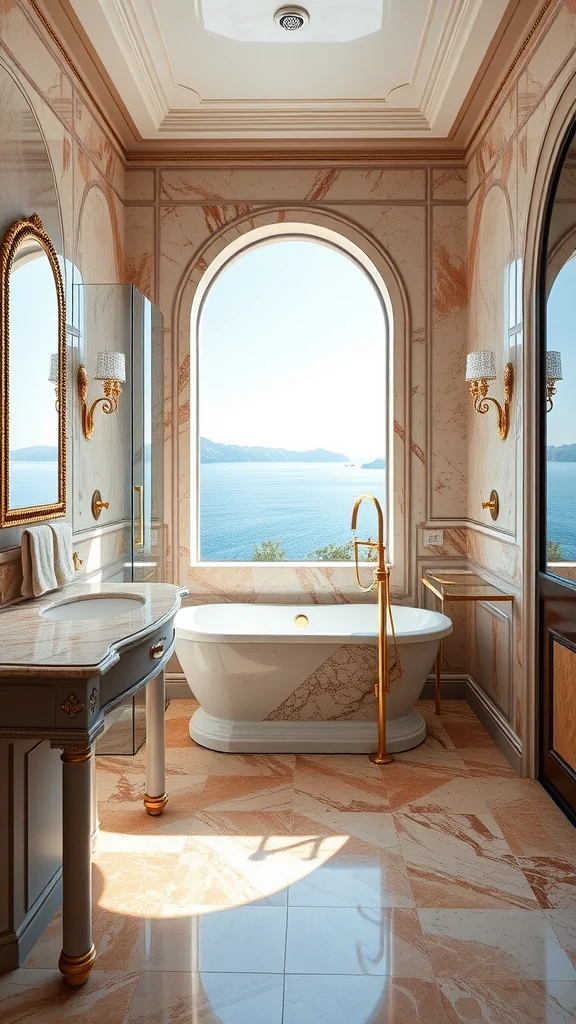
457, 585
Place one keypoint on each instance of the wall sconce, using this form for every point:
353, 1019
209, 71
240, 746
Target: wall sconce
53, 378
553, 374
480, 369
111, 369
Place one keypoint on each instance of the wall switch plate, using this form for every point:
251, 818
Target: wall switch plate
153, 538
433, 538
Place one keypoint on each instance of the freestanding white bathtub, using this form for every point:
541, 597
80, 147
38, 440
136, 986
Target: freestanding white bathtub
299, 678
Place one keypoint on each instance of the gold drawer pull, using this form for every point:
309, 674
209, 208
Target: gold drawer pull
157, 649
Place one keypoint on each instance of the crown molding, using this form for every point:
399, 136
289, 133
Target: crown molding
365, 120
524, 21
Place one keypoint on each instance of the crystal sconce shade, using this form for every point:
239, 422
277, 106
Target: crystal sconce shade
111, 370
553, 374
481, 368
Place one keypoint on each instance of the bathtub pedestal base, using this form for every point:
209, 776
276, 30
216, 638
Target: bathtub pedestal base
296, 737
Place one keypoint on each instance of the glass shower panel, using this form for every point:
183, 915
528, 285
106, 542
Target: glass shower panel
123, 460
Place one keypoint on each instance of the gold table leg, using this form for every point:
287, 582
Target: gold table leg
438, 671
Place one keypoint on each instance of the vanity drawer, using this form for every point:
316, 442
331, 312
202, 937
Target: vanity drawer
138, 663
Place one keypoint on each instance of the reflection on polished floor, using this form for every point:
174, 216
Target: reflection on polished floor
323, 890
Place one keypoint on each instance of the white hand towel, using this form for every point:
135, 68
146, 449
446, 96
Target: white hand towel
63, 563
38, 573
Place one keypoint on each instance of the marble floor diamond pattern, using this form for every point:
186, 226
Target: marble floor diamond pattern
316, 889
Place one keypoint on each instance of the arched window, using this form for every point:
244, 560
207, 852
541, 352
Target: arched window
293, 411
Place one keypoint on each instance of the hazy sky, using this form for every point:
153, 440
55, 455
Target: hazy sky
292, 353
33, 337
561, 336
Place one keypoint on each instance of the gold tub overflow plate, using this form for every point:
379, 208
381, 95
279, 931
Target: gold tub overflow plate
301, 621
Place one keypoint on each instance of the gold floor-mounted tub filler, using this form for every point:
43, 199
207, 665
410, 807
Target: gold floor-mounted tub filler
381, 581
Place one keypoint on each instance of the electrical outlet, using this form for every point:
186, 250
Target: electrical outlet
433, 538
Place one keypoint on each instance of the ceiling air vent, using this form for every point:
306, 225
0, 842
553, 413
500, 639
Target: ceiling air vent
291, 19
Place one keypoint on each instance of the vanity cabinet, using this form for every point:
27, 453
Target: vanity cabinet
59, 678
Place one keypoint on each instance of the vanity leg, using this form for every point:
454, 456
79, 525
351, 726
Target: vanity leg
155, 799
78, 953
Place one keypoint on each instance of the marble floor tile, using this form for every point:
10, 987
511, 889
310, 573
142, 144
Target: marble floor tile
494, 944
134, 883
463, 727
353, 999
434, 792
355, 879
461, 860
338, 783
247, 793
376, 830
553, 881
486, 762
248, 939
526, 815
39, 997
254, 764
174, 997
230, 871
564, 924
264, 824
326, 940
509, 1002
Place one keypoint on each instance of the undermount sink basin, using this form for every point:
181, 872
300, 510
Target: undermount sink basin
97, 606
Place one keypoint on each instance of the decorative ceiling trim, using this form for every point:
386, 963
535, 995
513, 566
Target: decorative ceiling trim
372, 119
504, 81
294, 156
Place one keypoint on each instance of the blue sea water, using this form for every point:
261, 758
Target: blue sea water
33, 483
561, 502
305, 506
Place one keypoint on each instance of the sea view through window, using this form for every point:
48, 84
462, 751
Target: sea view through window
292, 404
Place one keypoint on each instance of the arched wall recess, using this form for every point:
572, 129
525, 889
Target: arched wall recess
256, 227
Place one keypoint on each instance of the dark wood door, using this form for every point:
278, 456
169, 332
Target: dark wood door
556, 460
558, 691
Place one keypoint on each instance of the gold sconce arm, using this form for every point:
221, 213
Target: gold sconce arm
112, 391
479, 390
550, 392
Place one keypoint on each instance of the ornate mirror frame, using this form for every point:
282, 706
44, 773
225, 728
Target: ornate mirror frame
29, 227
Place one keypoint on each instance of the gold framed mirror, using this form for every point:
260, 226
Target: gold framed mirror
32, 376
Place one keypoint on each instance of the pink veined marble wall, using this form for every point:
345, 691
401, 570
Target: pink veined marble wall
411, 221
501, 170
81, 203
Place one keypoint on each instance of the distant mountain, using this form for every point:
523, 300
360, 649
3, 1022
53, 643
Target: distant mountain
377, 464
38, 453
562, 453
213, 451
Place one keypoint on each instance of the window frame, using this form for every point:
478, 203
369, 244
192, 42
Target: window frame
255, 238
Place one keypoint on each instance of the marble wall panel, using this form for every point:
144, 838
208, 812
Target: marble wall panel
448, 391
217, 186
75, 182
449, 183
139, 264
140, 185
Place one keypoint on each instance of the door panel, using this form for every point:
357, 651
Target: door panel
556, 421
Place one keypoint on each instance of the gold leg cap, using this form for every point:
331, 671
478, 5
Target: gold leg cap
76, 969
380, 759
155, 804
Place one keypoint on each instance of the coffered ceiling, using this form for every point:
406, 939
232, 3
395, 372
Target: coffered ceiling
360, 69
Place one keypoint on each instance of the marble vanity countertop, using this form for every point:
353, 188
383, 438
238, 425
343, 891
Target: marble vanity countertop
34, 645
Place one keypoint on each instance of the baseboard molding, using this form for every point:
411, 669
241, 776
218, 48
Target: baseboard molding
453, 687
15, 946
500, 730
176, 686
